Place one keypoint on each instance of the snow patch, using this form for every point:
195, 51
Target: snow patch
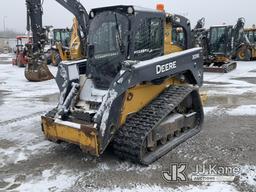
249, 110
50, 182
248, 175
213, 187
209, 110
21, 157
227, 84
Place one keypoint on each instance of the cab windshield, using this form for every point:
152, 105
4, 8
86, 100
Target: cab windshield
252, 36
106, 34
218, 39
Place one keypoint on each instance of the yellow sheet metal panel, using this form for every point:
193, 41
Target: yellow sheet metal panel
221, 59
139, 96
167, 38
85, 138
169, 47
75, 43
204, 97
253, 52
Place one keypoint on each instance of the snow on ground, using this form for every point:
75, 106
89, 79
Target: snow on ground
45, 182
24, 98
20, 87
229, 83
209, 110
248, 175
24, 142
6, 58
248, 110
241, 71
127, 166
49, 181
213, 187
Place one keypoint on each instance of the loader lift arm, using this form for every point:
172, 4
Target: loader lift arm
37, 69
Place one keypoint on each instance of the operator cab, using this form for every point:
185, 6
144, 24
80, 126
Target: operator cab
251, 34
220, 40
62, 36
122, 33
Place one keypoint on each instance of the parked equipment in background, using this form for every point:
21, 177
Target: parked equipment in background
223, 43
21, 51
60, 48
67, 44
130, 91
37, 69
200, 37
248, 51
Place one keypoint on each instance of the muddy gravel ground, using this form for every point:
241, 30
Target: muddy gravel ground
30, 163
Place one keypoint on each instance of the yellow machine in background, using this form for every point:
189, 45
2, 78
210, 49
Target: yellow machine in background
171, 35
249, 52
75, 43
70, 50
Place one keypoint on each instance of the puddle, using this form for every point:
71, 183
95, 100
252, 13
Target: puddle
251, 80
52, 98
215, 83
5, 144
232, 100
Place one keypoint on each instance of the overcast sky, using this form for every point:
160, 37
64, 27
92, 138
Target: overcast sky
215, 11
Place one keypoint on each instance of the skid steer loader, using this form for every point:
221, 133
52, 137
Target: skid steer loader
129, 92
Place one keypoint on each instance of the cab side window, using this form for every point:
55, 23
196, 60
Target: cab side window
178, 37
149, 39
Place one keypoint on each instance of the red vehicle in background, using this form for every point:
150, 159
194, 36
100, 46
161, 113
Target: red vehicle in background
21, 52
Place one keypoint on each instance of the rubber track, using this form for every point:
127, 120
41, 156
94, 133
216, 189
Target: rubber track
230, 67
23, 118
129, 138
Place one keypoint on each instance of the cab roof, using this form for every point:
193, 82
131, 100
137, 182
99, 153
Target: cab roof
124, 8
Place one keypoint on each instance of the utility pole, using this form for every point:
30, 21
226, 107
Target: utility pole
4, 18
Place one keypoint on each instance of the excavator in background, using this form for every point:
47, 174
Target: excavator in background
248, 51
36, 69
67, 44
221, 46
200, 37
130, 91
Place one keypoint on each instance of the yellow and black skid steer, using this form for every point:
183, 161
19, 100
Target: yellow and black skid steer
128, 92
